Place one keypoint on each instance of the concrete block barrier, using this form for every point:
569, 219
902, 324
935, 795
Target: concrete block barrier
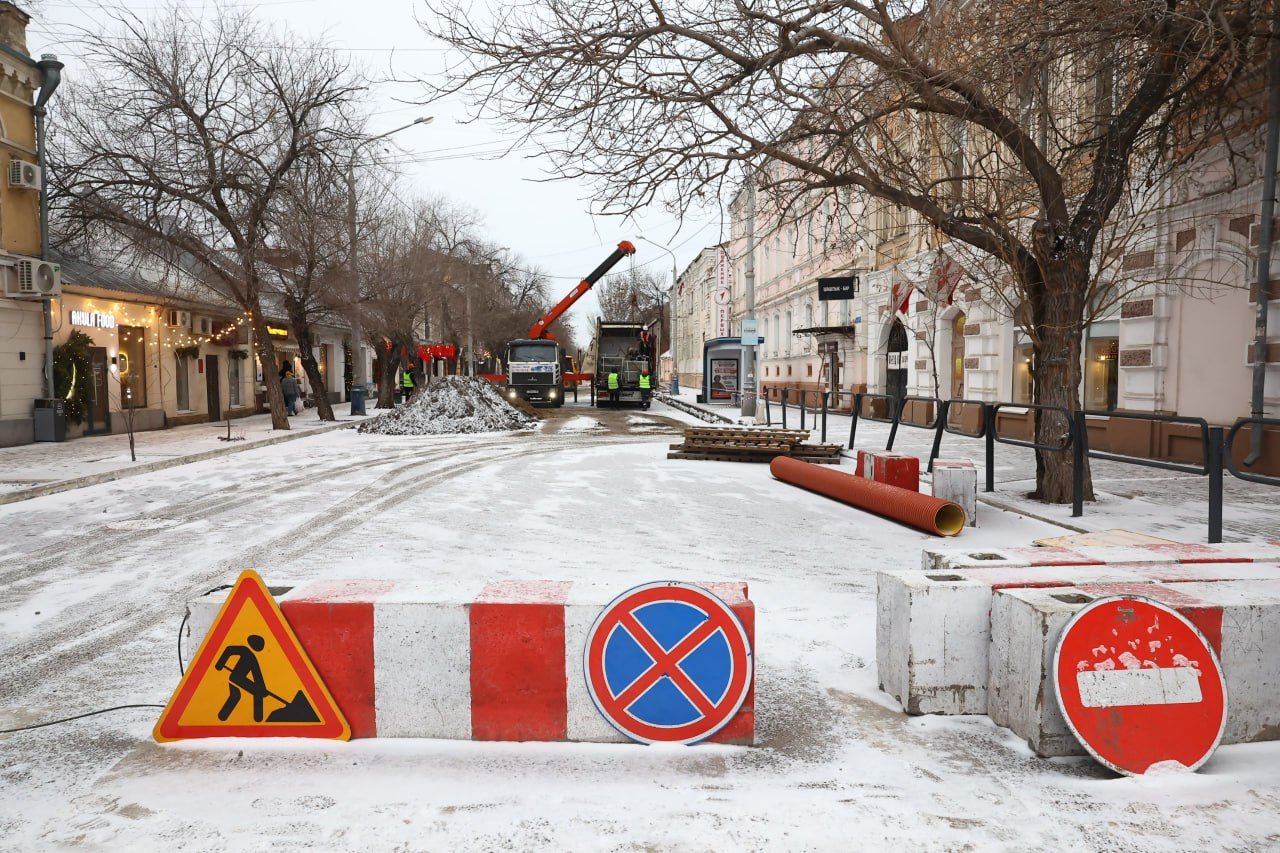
956, 480
498, 661
894, 469
1086, 555
934, 628
1234, 616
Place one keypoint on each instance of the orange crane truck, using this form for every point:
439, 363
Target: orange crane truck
537, 368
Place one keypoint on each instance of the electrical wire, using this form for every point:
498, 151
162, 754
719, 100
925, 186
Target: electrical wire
181, 671
76, 717
183, 623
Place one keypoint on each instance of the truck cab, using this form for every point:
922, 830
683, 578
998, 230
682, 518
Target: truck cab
535, 372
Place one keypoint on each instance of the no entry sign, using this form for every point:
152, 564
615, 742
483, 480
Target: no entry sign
668, 662
1139, 684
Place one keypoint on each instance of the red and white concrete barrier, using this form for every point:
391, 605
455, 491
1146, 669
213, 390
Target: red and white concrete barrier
894, 469
498, 661
948, 558
1238, 618
934, 628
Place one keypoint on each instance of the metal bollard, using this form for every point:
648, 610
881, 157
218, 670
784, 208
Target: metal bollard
1215, 454
784, 408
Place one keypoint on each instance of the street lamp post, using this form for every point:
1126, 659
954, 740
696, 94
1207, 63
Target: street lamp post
357, 332
51, 68
671, 301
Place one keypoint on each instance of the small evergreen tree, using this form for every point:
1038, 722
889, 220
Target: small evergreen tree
72, 375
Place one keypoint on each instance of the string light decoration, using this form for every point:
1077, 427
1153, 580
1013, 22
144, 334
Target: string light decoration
178, 337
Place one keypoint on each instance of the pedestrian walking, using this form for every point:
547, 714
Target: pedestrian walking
615, 388
289, 385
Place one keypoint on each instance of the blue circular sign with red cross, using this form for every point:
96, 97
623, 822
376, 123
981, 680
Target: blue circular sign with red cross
668, 662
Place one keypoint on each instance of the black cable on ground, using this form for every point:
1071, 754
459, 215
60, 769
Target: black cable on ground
76, 717
183, 624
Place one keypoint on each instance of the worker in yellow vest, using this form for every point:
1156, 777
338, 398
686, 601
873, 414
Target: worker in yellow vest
646, 387
406, 382
615, 388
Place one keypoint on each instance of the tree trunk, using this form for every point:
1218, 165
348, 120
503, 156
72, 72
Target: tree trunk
302, 330
270, 369
1057, 309
384, 369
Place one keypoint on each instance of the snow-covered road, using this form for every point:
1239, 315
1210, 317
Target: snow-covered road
93, 584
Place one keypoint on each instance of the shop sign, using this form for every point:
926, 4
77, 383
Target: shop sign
93, 319
277, 332
843, 287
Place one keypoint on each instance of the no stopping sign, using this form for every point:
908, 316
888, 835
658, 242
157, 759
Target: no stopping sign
668, 662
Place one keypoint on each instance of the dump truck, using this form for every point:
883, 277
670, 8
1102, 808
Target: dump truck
625, 348
537, 367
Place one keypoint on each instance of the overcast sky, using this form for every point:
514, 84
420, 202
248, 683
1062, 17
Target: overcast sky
548, 224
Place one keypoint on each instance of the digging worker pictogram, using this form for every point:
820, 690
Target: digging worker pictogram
246, 675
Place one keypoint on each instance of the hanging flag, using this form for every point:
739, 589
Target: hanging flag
901, 295
946, 277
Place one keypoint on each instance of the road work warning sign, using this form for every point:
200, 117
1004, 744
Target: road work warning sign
251, 678
668, 662
1139, 684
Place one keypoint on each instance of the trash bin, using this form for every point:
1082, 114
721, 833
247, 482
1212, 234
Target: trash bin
357, 399
50, 418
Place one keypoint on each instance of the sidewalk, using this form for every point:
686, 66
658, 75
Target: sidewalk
32, 470
1167, 504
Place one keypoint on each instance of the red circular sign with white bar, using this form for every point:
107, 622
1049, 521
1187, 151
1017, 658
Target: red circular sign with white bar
1139, 684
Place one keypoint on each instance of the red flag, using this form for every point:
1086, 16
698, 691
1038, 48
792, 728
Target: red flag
946, 277
901, 296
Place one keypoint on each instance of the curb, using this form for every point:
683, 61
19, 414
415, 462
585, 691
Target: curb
159, 465
690, 409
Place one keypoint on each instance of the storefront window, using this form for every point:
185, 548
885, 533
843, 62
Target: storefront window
1023, 384
131, 365
957, 356
1101, 372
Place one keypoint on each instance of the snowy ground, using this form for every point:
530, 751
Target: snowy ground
94, 581
32, 465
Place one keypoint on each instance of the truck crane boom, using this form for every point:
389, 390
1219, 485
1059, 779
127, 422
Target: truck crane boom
538, 331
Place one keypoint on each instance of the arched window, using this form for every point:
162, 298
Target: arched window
808, 324
788, 333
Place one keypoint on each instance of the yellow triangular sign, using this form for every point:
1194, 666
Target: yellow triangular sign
251, 678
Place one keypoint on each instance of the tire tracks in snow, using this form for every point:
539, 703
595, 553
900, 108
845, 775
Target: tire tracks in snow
93, 633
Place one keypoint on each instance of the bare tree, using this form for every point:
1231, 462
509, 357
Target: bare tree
186, 132
1063, 102
635, 296
309, 264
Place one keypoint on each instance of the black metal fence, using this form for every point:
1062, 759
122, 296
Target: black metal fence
1215, 443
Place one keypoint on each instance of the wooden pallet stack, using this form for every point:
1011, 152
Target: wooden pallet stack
751, 444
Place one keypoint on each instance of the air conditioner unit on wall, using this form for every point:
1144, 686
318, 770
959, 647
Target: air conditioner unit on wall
178, 319
24, 175
30, 278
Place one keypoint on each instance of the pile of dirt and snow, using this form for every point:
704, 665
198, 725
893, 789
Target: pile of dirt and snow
452, 404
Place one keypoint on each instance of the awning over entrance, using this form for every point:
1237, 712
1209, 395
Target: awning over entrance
826, 330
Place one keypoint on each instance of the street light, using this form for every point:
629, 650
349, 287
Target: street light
51, 68
357, 333
671, 299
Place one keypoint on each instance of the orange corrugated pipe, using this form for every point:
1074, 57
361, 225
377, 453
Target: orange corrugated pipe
930, 514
